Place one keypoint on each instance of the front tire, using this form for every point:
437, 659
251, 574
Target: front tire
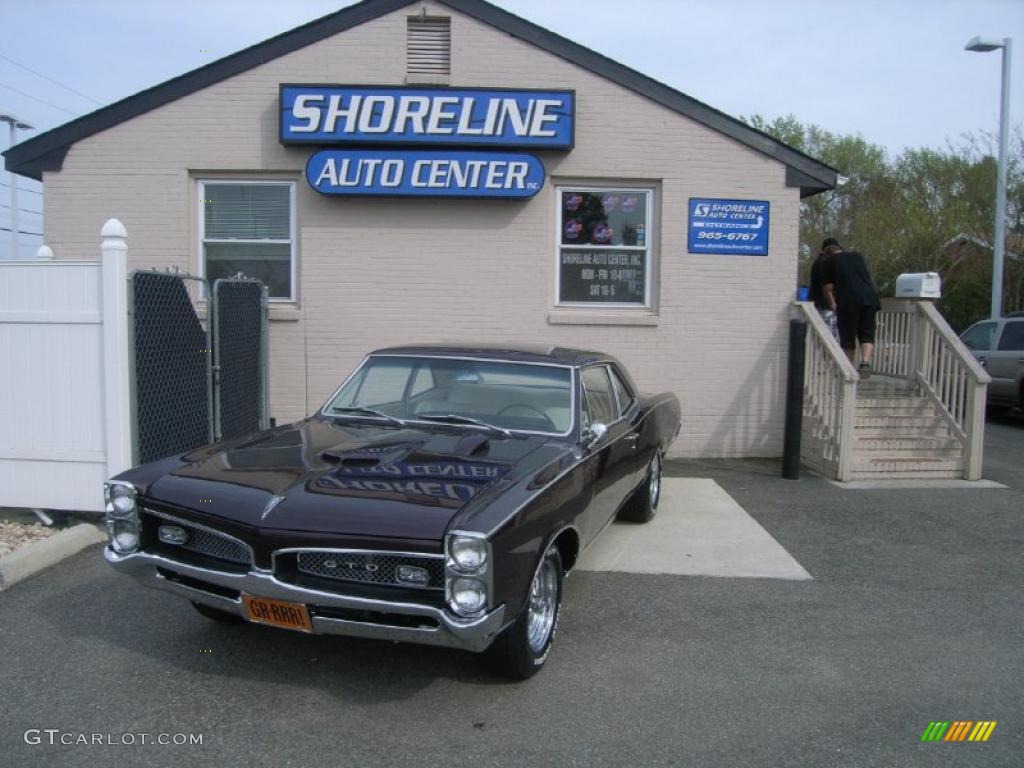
644, 505
521, 650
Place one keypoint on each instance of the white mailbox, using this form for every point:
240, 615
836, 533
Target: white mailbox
919, 285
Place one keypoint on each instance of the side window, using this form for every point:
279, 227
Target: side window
1012, 339
979, 337
600, 399
621, 391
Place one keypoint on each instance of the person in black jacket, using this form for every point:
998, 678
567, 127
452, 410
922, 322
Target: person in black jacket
850, 293
819, 270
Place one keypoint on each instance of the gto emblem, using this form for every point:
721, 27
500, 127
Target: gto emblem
172, 534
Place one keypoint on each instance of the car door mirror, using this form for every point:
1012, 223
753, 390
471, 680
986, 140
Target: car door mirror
594, 434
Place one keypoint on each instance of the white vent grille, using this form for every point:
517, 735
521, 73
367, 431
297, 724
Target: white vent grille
428, 46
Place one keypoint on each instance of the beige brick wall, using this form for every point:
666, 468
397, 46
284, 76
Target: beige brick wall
379, 272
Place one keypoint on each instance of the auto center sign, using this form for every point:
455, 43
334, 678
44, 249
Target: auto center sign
389, 118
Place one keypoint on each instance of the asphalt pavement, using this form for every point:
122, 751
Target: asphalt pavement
913, 614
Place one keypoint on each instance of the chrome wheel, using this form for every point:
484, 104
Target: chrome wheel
543, 605
654, 482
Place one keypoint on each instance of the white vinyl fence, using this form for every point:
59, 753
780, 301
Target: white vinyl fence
64, 395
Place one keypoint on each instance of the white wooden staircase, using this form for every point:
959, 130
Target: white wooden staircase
920, 415
899, 432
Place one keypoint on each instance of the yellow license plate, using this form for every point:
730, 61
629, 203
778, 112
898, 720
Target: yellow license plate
278, 613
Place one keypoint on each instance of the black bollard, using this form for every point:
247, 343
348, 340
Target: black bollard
794, 399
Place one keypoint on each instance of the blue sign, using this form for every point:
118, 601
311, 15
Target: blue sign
427, 173
728, 226
341, 114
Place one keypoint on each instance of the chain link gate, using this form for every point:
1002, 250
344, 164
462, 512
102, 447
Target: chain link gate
239, 362
186, 391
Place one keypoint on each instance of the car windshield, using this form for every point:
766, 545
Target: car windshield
509, 396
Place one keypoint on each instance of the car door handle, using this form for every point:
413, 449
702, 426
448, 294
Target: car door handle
632, 437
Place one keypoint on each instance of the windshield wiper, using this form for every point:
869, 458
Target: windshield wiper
369, 412
454, 418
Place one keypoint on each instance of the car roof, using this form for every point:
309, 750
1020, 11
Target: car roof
517, 353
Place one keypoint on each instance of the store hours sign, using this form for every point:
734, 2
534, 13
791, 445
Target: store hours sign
728, 226
400, 124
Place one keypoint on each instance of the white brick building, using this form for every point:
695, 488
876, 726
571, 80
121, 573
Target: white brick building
355, 273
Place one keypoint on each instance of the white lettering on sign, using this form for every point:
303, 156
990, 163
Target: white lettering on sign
442, 115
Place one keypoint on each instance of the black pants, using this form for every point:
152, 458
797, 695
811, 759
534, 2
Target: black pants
856, 325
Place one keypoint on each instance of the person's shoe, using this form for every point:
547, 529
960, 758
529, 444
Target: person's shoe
865, 371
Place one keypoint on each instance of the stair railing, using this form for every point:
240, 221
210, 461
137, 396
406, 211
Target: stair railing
830, 399
915, 342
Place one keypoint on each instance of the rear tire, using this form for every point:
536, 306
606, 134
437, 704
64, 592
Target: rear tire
521, 650
643, 506
216, 615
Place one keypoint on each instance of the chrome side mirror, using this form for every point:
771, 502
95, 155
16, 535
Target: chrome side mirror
594, 434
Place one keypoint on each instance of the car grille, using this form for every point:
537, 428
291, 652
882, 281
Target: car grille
205, 541
371, 567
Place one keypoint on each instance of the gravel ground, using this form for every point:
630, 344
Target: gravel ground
14, 535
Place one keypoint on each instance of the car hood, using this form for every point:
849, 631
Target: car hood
345, 477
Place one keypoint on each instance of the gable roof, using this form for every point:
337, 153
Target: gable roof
46, 152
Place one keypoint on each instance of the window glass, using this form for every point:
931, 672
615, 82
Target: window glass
532, 398
604, 246
621, 391
979, 337
600, 401
247, 228
1013, 336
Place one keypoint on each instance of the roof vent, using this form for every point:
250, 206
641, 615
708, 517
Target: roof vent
428, 49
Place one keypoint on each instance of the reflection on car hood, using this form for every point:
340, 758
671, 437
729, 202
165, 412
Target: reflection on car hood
345, 476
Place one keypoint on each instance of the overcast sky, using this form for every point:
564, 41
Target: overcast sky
892, 70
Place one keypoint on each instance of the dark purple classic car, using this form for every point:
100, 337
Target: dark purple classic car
440, 496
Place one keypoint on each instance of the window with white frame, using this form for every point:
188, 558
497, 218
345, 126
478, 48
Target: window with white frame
604, 246
249, 227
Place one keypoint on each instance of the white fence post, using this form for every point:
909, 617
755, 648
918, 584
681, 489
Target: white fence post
116, 403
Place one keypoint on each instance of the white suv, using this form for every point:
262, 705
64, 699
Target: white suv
999, 347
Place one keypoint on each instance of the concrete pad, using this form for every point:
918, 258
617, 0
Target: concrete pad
30, 559
898, 485
699, 531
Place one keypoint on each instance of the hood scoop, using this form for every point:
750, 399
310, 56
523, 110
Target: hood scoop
472, 445
370, 455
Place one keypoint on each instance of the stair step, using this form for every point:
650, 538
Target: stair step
890, 465
901, 431
924, 444
899, 403
947, 474
897, 423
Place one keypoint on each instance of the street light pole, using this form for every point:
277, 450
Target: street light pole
984, 45
14, 124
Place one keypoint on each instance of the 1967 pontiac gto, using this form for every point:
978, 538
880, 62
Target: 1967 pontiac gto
440, 496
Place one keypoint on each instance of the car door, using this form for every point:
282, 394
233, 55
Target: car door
1005, 359
611, 454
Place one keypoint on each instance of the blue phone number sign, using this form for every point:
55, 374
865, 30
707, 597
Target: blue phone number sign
719, 226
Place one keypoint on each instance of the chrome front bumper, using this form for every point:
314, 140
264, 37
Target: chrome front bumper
449, 631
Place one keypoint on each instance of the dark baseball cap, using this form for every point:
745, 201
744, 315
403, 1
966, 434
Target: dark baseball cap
829, 241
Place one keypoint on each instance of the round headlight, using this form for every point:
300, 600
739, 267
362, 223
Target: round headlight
468, 596
469, 553
122, 500
124, 536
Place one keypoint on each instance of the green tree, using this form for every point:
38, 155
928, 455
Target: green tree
925, 210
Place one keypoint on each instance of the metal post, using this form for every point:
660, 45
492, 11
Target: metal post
999, 248
794, 399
